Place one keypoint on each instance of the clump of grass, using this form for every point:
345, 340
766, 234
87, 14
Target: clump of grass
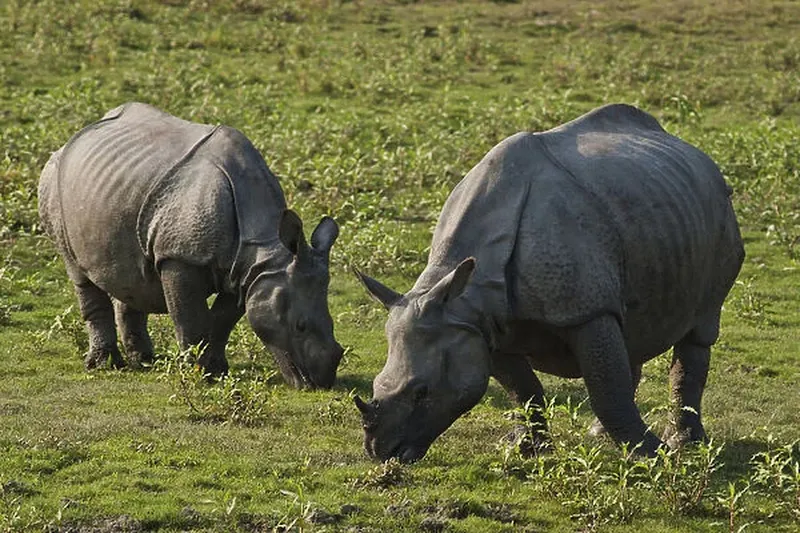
68, 324
598, 484
785, 232
748, 303
391, 473
336, 410
243, 398
602, 486
776, 472
597, 489
682, 477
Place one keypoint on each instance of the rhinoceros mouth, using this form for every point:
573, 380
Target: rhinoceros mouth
407, 453
403, 451
292, 373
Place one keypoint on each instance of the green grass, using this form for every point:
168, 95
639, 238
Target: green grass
371, 111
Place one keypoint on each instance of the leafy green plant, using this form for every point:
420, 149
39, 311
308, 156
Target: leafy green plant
69, 324
244, 399
732, 503
391, 473
777, 472
748, 303
682, 477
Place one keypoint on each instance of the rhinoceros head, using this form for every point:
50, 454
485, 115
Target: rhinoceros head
436, 370
288, 309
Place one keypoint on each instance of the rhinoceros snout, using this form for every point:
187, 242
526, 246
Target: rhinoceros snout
327, 377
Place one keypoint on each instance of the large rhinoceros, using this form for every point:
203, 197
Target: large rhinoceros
582, 251
158, 213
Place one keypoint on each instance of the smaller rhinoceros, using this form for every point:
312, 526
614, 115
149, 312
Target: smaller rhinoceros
158, 213
582, 251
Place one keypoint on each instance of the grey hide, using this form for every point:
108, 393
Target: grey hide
582, 251
154, 214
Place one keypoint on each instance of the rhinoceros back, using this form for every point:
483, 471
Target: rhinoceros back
662, 210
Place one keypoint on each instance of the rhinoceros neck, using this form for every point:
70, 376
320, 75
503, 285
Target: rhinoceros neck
256, 259
480, 219
483, 305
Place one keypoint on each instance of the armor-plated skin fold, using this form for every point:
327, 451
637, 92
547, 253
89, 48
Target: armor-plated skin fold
582, 251
158, 213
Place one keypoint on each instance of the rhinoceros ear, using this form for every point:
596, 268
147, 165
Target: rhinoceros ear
325, 234
452, 285
378, 290
290, 232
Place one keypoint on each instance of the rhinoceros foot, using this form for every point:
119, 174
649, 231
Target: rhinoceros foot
140, 360
103, 358
597, 429
679, 437
213, 366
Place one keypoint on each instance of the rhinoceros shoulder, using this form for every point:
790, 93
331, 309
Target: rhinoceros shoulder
610, 118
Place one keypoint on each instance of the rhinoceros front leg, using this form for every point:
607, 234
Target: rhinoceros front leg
225, 312
186, 288
132, 326
597, 429
688, 374
98, 313
516, 376
600, 350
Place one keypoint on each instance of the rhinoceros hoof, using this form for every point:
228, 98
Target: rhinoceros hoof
100, 358
676, 438
597, 429
139, 360
530, 442
214, 367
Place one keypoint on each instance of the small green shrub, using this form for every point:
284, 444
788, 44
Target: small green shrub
776, 472
391, 473
243, 398
748, 302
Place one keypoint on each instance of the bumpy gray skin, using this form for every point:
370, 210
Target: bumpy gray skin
153, 214
582, 251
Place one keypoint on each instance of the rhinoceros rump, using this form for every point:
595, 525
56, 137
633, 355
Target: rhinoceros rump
582, 251
158, 213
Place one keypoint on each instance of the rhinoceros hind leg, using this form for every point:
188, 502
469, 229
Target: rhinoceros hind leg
98, 313
688, 374
186, 288
596, 429
599, 347
516, 376
132, 325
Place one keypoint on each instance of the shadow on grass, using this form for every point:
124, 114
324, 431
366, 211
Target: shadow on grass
361, 385
736, 456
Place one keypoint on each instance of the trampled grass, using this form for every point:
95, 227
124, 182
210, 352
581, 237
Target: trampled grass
371, 111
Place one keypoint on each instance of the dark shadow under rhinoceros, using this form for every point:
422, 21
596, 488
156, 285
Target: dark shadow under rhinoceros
157, 214
582, 251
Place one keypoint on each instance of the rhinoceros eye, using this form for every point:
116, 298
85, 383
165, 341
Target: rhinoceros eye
300, 326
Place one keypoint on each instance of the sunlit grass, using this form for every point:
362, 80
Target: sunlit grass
372, 112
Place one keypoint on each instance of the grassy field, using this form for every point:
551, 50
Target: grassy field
371, 111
